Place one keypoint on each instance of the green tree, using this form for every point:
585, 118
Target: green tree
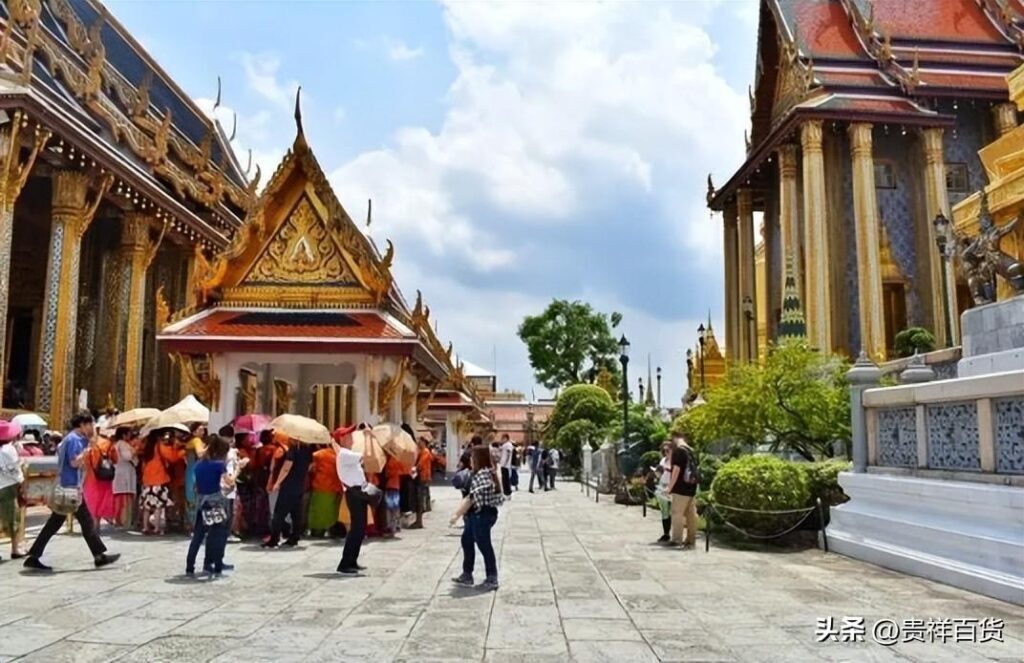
570, 343
914, 339
644, 427
581, 416
798, 401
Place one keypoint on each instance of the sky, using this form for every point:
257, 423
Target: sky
514, 153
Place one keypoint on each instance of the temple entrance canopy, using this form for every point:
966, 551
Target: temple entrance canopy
301, 314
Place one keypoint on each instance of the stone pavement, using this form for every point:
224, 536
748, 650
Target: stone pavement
580, 581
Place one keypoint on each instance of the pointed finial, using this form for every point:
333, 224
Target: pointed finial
234, 126
216, 103
369, 211
298, 110
709, 319
248, 163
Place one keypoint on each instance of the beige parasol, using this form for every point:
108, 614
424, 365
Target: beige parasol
364, 442
301, 428
140, 416
397, 443
187, 411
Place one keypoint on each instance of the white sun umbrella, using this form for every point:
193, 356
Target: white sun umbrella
188, 411
29, 420
303, 429
132, 418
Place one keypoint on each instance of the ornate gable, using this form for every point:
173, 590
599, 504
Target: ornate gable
302, 251
298, 247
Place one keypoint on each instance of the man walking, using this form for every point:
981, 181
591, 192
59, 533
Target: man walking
290, 486
71, 456
358, 494
683, 488
505, 462
536, 470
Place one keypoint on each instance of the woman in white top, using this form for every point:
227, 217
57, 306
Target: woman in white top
11, 478
125, 477
661, 493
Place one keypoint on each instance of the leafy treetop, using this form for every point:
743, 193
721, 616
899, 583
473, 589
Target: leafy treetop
568, 342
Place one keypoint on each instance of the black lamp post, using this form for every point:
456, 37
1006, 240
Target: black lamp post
748, 314
624, 360
700, 337
941, 224
659, 387
529, 424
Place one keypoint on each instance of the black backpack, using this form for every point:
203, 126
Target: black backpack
691, 475
104, 469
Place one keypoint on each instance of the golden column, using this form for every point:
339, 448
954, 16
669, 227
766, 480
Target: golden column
747, 277
788, 221
818, 292
72, 214
937, 202
14, 172
1005, 116
732, 308
865, 212
138, 251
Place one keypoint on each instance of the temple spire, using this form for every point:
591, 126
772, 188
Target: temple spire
792, 323
649, 401
298, 113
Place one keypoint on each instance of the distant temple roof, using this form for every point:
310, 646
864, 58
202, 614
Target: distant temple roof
874, 61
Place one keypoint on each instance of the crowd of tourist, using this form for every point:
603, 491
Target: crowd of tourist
232, 485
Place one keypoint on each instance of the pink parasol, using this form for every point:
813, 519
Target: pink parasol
254, 424
9, 431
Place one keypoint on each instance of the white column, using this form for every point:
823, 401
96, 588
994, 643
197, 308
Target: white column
454, 443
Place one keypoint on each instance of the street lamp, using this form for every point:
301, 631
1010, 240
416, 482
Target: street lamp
748, 314
941, 224
529, 423
624, 360
700, 337
659, 387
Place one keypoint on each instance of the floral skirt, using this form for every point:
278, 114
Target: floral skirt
155, 497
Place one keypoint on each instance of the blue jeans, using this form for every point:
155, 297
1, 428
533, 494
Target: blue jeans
216, 537
477, 534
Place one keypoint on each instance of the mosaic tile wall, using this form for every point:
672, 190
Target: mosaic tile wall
849, 225
898, 206
953, 436
1009, 421
897, 437
971, 136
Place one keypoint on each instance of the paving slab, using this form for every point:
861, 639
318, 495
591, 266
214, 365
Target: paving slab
580, 582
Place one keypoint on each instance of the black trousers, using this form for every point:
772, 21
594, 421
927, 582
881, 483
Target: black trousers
354, 538
53, 525
506, 481
289, 503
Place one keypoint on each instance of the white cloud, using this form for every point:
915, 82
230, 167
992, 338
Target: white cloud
261, 75
398, 51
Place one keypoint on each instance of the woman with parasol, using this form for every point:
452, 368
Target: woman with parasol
304, 434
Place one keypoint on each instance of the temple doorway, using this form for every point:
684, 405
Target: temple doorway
20, 340
894, 302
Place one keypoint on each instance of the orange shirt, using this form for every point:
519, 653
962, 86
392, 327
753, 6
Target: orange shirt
325, 471
394, 471
96, 451
425, 465
154, 472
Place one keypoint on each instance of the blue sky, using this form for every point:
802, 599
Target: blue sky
514, 152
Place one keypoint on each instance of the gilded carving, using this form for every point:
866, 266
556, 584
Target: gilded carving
389, 388
284, 396
163, 309
302, 251
202, 380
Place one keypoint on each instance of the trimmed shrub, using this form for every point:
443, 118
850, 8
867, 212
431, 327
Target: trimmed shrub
913, 339
823, 481
760, 483
650, 459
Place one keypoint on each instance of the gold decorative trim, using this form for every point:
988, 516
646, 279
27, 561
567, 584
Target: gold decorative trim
202, 380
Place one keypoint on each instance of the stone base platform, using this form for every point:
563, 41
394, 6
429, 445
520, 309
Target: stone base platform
969, 535
993, 338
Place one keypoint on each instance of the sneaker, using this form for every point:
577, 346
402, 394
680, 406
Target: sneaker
663, 538
268, 544
224, 566
191, 572
463, 579
234, 539
489, 585
36, 565
349, 570
686, 546
106, 560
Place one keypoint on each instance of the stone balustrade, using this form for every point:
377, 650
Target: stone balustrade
971, 426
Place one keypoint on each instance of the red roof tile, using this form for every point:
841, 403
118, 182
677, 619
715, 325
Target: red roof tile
961, 81
947, 20
866, 78
286, 325
824, 29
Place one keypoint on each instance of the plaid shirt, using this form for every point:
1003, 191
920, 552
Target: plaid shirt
483, 492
